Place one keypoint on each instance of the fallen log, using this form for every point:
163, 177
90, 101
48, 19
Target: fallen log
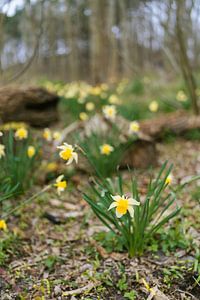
35, 106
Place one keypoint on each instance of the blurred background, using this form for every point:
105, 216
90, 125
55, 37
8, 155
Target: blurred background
97, 40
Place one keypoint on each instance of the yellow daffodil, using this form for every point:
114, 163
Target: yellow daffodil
21, 133
123, 205
169, 179
68, 153
52, 166
47, 135
31, 151
3, 225
181, 96
90, 106
2, 150
83, 116
96, 90
106, 149
109, 112
113, 99
153, 106
134, 127
60, 184
56, 135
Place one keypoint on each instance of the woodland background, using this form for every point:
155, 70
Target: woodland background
96, 40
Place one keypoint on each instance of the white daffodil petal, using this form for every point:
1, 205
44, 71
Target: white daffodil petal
133, 201
75, 156
59, 178
112, 205
131, 211
116, 198
118, 214
70, 160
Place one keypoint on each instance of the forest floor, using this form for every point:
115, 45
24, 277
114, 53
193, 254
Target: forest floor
57, 250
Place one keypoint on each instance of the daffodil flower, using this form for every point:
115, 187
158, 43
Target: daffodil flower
56, 135
122, 205
21, 133
68, 153
90, 106
169, 179
47, 135
106, 149
2, 150
134, 127
3, 225
153, 106
60, 184
109, 112
31, 151
83, 116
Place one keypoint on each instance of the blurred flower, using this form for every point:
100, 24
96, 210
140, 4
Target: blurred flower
31, 151
56, 135
134, 127
68, 153
169, 179
96, 90
2, 150
83, 116
109, 112
90, 106
113, 99
122, 205
1, 133
21, 133
60, 184
3, 225
52, 166
106, 149
153, 106
13, 125
181, 96
47, 135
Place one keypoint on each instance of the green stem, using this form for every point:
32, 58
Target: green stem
26, 201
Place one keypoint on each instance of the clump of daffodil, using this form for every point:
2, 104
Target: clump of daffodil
21, 133
2, 150
31, 151
90, 106
106, 149
134, 127
153, 106
123, 205
3, 225
47, 134
169, 179
68, 153
13, 125
83, 116
110, 112
60, 184
181, 96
